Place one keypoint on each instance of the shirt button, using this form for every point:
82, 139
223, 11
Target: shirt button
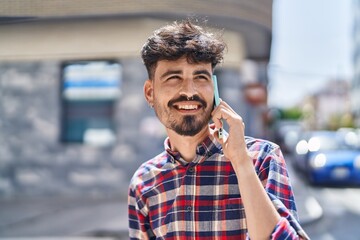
191, 169
189, 208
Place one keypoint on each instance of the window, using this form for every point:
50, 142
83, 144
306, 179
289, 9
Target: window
89, 91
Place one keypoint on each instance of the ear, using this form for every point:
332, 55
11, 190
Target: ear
149, 92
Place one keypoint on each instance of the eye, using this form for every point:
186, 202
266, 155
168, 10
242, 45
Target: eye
173, 78
202, 77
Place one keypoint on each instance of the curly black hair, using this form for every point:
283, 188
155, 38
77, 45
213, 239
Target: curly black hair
179, 39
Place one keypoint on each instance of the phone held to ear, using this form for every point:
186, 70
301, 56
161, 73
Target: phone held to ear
217, 101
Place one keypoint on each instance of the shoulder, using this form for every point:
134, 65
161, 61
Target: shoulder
147, 172
266, 156
258, 144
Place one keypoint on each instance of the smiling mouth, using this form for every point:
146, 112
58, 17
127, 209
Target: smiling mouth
187, 106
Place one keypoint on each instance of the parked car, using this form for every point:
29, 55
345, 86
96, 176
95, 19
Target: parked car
287, 134
329, 157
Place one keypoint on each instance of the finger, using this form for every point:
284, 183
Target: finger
223, 107
223, 113
218, 123
223, 103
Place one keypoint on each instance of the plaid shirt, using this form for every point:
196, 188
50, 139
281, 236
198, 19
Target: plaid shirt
172, 199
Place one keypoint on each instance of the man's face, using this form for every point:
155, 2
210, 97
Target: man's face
182, 95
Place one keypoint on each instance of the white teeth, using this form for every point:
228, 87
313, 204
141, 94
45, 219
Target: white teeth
188, 107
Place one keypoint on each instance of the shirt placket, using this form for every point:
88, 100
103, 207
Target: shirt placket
190, 207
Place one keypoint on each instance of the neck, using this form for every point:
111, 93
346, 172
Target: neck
186, 145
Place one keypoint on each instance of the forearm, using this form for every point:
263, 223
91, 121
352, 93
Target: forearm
261, 215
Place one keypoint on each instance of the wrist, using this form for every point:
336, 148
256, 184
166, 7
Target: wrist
243, 165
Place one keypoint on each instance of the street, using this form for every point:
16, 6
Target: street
341, 214
325, 214
340, 209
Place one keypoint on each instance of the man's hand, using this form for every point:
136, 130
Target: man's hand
261, 215
234, 145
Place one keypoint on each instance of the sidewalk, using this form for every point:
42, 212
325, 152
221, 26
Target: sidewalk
309, 210
66, 216
101, 217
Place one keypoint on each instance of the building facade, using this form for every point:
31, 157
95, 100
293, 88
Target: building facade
73, 119
355, 88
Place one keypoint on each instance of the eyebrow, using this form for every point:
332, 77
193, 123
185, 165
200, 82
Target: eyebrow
196, 72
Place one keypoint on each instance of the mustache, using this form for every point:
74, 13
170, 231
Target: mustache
183, 98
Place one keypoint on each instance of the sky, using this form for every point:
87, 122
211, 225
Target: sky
311, 44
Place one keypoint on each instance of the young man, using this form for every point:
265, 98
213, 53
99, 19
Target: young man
203, 186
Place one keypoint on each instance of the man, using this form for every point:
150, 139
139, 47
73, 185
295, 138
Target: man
203, 186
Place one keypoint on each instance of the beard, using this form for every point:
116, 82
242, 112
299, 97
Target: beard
188, 125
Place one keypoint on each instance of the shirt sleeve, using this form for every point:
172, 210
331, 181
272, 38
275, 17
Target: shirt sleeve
139, 226
271, 168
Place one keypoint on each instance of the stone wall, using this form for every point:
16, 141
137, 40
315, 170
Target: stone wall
33, 161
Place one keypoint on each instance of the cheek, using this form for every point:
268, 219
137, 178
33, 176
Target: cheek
210, 96
162, 98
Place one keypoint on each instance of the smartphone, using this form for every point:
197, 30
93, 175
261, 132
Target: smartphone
217, 100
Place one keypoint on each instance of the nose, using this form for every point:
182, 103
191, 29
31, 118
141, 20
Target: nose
188, 88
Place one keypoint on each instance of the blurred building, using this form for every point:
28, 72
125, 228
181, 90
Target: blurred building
333, 105
328, 108
72, 114
355, 88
